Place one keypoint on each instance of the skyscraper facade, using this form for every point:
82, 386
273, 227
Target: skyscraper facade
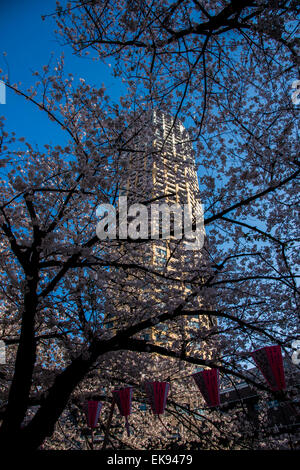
160, 168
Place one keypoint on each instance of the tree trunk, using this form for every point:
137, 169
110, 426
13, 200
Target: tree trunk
43, 423
18, 398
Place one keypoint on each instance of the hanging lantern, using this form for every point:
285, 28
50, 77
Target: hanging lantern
93, 412
123, 399
269, 362
157, 393
208, 384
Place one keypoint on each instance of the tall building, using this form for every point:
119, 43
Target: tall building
159, 168
162, 163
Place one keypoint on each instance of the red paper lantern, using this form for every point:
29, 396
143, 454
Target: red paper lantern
269, 362
123, 399
93, 412
208, 384
157, 393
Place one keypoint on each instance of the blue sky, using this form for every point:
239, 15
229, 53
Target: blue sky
28, 43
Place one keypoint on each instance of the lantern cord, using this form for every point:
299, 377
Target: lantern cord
92, 438
127, 426
108, 423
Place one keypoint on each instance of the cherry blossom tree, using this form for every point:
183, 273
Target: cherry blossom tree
224, 69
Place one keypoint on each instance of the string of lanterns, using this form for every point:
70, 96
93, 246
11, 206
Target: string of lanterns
268, 360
